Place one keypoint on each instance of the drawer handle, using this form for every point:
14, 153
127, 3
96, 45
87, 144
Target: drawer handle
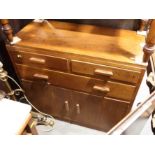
103, 72
104, 89
38, 60
67, 106
40, 76
19, 56
77, 108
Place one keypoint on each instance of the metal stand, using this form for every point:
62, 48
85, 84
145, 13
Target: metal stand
121, 126
4, 78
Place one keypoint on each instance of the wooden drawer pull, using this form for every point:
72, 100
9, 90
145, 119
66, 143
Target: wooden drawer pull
67, 106
103, 72
19, 56
40, 76
104, 89
38, 60
77, 108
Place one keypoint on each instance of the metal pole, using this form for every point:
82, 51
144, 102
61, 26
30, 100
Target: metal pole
132, 116
3, 77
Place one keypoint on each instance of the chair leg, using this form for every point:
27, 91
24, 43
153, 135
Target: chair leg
30, 128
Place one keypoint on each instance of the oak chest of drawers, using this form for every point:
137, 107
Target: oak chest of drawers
79, 73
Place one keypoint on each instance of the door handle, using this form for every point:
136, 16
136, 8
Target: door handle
67, 106
77, 108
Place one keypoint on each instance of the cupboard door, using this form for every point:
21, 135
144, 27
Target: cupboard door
111, 112
49, 99
86, 109
97, 112
39, 94
61, 106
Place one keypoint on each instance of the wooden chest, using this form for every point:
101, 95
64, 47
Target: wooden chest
83, 74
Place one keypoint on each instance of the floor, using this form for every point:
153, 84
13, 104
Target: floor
142, 125
65, 128
139, 127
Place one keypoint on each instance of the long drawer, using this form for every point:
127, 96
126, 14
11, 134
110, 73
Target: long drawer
41, 61
81, 83
102, 71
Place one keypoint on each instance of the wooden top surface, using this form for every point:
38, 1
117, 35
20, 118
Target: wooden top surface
114, 44
13, 116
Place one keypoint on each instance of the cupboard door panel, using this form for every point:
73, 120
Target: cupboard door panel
39, 93
111, 112
48, 98
97, 112
62, 105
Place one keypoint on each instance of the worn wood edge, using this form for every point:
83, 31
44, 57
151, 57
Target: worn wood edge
20, 131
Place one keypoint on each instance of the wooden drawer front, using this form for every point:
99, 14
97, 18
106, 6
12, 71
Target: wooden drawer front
102, 71
36, 60
81, 83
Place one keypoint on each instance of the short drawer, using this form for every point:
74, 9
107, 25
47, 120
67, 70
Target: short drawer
80, 83
37, 60
102, 71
